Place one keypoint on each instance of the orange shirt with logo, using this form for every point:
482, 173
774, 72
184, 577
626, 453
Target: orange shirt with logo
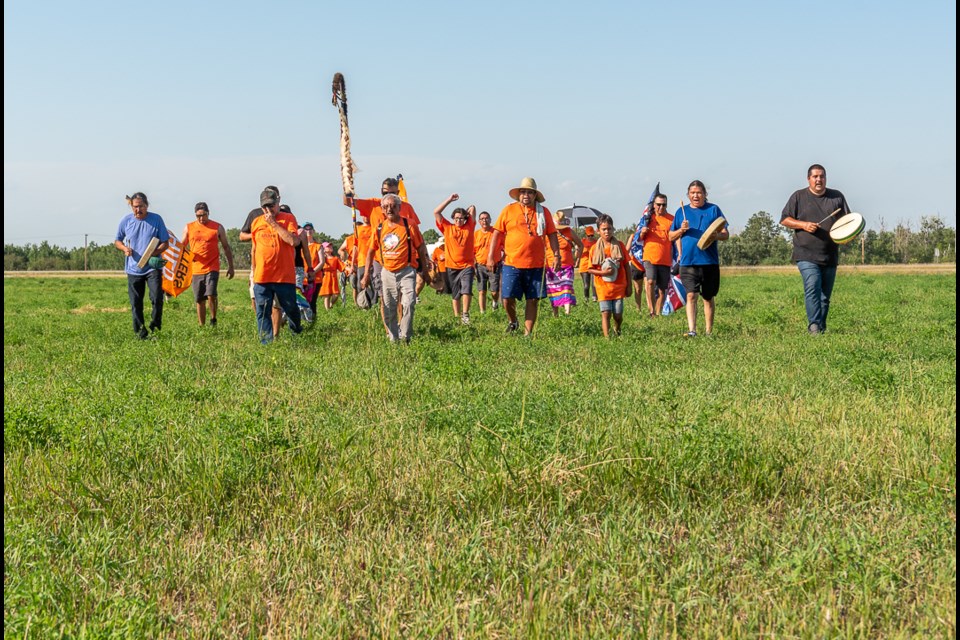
523, 247
203, 240
391, 247
657, 248
459, 242
588, 243
565, 240
617, 289
273, 258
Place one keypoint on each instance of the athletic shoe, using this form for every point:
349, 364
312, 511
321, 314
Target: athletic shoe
464, 319
213, 322
512, 326
690, 334
814, 328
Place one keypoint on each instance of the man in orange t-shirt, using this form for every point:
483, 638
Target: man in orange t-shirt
399, 246
486, 279
657, 254
275, 239
522, 226
204, 237
459, 254
370, 209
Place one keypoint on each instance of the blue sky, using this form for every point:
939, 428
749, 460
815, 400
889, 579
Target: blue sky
597, 100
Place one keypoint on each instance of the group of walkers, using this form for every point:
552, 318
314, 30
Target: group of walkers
527, 254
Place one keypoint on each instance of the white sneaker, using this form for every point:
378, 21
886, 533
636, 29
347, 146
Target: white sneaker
464, 319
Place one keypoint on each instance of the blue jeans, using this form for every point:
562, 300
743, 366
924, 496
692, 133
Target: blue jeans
286, 294
817, 287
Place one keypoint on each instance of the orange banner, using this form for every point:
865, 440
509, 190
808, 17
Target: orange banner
177, 267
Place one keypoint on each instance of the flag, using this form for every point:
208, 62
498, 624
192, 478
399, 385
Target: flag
676, 296
636, 244
401, 189
177, 267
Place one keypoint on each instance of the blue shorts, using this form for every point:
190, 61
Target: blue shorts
522, 283
616, 306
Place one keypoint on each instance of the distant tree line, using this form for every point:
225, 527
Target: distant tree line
762, 242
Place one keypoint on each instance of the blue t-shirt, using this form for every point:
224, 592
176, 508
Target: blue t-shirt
136, 234
699, 220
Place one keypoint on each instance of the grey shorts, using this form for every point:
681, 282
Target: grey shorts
487, 280
658, 273
205, 286
461, 282
612, 306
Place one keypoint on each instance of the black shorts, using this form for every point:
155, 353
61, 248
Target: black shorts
658, 274
636, 274
461, 282
703, 279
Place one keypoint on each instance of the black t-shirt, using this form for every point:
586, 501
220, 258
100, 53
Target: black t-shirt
253, 215
817, 247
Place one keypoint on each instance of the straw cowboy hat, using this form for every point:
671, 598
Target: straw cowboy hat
526, 183
561, 220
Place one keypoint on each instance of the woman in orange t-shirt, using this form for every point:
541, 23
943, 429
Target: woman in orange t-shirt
609, 263
330, 280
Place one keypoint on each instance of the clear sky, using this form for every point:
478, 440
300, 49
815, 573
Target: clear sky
598, 101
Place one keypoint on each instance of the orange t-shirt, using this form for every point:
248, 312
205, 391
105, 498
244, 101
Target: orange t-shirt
440, 259
203, 241
330, 283
565, 240
316, 249
657, 248
370, 208
588, 243
459, 242
617, 289
392, 248
481, 244
273, 258
522, 245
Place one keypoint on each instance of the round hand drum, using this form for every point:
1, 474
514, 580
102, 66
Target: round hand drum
610, 263
710, 235
154, 242
847, 227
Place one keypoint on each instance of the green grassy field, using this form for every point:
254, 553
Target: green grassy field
763, 483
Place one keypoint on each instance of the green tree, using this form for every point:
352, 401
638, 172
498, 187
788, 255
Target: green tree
763, 241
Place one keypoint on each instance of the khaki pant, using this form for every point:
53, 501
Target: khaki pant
399, 287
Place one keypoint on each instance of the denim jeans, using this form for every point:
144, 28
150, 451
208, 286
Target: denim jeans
136, 286
817, 287
286, 294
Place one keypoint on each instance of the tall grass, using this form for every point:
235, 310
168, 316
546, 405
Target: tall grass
472, 484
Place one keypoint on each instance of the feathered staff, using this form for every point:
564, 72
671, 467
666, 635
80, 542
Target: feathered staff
347, 167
